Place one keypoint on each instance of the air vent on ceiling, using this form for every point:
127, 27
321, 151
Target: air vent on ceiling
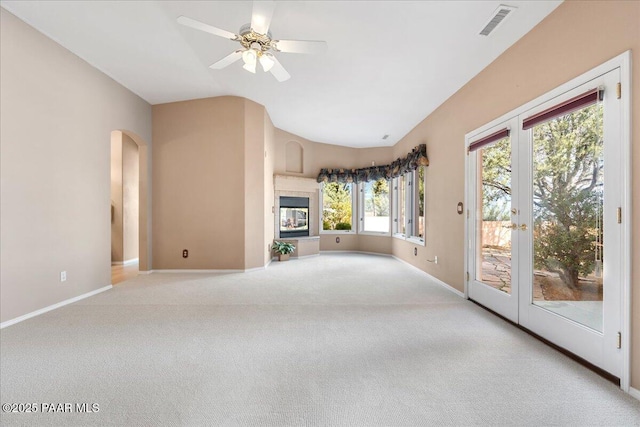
496, 19
385, 137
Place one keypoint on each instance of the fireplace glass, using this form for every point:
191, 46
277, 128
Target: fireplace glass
294, 216
294, 219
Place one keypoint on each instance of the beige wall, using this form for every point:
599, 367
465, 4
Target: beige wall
560, 48
254, 188
269, 193
130, 198
356, 242
317, 155
58, 113
213, 191
199, 184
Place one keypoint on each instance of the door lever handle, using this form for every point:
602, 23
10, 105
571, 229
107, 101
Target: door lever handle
523, 227
513, 226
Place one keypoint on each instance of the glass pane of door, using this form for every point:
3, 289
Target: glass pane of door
568, 235
493, 216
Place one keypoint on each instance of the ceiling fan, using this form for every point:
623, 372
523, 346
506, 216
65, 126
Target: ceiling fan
257, 43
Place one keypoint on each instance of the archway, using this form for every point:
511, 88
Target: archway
141, 187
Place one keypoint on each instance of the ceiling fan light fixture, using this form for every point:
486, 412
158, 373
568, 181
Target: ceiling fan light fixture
266, 61
249, 57
250, 67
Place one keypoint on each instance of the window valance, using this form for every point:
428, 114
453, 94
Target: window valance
416, 158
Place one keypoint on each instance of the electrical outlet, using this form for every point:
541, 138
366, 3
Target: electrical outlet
185, 253
63, 276
436, 259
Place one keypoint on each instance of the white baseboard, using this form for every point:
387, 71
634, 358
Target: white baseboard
198, 271
264, 267
295, 257
208, 271
435, 279
356, 252
53, 307
127, 262
634, 393
305, 256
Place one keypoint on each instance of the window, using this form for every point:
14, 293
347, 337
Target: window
375, 206
399, 206
337, 207
409, 206
418, 182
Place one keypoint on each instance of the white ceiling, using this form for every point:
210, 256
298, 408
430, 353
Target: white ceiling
389, 64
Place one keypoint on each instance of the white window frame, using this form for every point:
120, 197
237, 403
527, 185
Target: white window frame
395, 209
361, 211
354, 206
410, 209
415, 206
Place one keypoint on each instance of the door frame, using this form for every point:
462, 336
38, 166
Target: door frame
502, 303
623, 62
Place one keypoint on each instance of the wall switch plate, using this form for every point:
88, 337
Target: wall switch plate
436, 259
63, 276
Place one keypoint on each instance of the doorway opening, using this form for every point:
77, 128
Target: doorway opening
127, 206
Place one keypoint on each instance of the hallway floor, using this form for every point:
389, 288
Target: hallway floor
121, 273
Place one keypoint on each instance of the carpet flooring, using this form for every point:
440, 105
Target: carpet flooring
334, 340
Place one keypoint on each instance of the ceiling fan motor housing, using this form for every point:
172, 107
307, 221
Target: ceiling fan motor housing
248, 37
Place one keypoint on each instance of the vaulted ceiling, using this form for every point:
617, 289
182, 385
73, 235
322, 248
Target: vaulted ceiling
388, 65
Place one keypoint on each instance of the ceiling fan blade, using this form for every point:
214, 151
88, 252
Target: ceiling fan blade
278, 71
300, 46
206, 28
261, 16
227, 60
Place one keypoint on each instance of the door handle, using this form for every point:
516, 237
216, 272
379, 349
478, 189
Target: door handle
523, 227
513, 226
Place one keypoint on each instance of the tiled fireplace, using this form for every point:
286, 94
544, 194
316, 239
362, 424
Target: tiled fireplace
297, 213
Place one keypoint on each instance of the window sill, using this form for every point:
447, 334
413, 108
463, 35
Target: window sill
375, 233
413, 239
416, 240
337, 232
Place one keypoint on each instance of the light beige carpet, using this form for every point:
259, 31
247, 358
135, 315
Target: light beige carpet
335, 340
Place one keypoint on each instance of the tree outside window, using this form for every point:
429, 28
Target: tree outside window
567, 194
420, 223
337, 206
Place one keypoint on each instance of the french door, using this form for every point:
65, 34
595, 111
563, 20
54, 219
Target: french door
545, 244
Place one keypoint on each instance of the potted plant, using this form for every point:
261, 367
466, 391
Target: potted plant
283, 249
